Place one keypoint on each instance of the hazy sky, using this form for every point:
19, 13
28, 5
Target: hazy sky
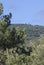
25, 11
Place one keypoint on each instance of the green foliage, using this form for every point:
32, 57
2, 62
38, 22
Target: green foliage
9, 36
15, 49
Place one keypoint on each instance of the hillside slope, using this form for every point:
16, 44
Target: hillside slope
31, 31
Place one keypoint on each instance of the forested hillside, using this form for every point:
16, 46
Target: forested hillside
20, 44
32, 31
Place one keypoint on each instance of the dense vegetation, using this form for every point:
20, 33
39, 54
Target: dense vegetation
32, 31
20, 44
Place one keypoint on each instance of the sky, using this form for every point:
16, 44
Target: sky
25, 11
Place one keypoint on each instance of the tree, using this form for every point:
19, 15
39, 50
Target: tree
9, 36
